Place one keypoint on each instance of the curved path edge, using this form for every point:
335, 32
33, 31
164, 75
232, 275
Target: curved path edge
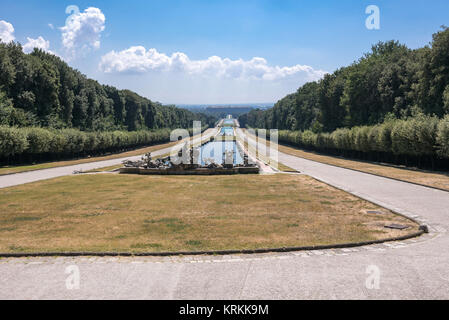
216, 252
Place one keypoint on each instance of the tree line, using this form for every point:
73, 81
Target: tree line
34, 144
420, 140
40, 89
392, 86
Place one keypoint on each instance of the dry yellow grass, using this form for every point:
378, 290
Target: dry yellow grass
431, 179
110, 212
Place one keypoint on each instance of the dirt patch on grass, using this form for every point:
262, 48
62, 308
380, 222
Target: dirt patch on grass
176, 213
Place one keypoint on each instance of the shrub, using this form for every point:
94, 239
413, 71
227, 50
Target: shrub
341, 139
39, 140
384, 142
309, 138
425, 131
443, 137
418, 136
12, 141
402, 138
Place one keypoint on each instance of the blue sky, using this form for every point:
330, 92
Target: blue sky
131, 44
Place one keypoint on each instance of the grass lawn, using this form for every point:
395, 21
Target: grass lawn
23, 168
112, 212
432, 179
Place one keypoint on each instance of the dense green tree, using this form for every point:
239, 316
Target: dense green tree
330, 91
306, 106
45, 90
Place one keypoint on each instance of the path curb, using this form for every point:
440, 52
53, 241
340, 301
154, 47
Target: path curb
216, 252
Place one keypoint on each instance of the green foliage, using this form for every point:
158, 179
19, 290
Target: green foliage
39, 140
10, 116
12, 141
443, 137
34, 141
418, 136
446, 99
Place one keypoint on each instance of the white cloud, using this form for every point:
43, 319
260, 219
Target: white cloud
6, 32
83, 30
51, 26
39, 43
139, 60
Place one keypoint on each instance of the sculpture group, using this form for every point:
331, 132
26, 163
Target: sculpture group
188, 160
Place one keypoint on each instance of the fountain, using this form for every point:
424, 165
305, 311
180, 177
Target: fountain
194, 161
222, 154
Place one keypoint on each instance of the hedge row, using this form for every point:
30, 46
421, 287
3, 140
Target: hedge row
420, 137
35, 142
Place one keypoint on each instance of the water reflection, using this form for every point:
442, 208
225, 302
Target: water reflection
214, 150
227, 131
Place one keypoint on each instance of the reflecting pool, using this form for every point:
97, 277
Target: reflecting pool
227, 131
214, 150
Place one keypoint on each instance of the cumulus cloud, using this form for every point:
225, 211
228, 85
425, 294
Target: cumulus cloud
39, 43
83, 30
6, 31
139, 60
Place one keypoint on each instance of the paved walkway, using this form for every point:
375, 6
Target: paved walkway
412, 269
